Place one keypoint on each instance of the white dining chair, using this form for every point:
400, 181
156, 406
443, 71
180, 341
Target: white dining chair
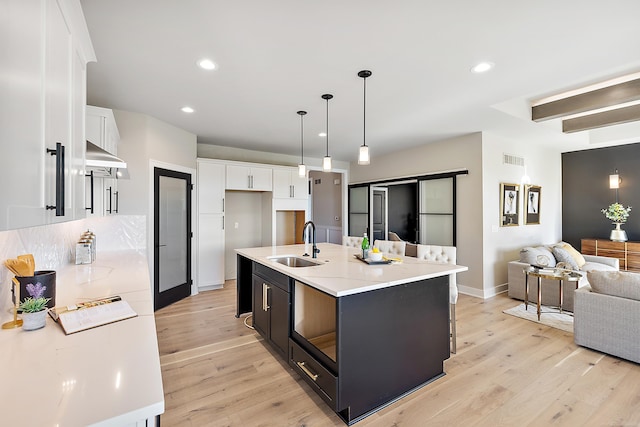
352, 241
447, 255
390, 247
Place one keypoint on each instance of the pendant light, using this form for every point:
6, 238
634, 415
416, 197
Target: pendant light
363, 157
326, 162
302, 169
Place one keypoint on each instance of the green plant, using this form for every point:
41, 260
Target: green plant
33, 305
616, 212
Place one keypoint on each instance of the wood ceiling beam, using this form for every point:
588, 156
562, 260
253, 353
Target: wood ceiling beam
599, 98
605, 118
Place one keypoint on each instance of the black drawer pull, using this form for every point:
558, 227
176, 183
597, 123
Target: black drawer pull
306, 370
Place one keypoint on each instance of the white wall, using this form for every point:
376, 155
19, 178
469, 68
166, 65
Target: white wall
452, 154
242, 155
143, 139
243, 225
503, 244
146, 142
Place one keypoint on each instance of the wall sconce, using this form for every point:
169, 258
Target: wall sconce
614, 181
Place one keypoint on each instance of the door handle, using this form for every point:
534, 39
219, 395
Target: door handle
59, 153
91, 206
109, 191
265, 292
160, 246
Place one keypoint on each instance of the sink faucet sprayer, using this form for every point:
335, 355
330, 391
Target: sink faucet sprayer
314, 249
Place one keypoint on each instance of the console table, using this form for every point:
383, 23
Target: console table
627, 252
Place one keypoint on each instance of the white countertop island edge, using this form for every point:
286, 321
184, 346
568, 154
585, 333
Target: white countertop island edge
339, 273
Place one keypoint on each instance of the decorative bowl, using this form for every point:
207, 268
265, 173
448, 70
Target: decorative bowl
375, 256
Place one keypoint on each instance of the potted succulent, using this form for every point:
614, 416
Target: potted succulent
34, 313
34, 307
617, 213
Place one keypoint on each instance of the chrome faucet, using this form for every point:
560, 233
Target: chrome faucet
314, 248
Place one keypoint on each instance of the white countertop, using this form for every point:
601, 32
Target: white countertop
341, 274
107, 376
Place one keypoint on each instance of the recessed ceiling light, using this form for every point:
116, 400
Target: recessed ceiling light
206, 64
187, 110
322, 134
482, 67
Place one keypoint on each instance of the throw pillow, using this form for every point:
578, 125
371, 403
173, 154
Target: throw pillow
576, 255
563, 256
546, 253
617, 283
529, 255
537, 256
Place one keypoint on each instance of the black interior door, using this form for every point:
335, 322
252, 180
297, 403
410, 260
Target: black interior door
172, 236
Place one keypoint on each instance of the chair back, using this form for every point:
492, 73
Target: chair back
390, 247
352, 241
445, 255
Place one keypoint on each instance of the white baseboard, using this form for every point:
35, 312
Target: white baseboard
483, 293
210, 288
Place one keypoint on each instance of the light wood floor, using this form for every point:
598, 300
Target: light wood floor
508, 372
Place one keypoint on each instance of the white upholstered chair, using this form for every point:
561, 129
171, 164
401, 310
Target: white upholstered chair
390, 247
444, 254
352, 241
410, 248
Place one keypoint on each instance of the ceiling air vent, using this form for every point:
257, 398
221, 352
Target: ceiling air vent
509, 159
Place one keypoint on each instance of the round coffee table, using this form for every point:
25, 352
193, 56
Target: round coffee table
550, 274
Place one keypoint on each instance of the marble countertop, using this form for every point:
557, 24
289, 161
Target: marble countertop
340, 273
109, 375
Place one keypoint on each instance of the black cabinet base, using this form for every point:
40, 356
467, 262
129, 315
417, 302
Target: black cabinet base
344, 415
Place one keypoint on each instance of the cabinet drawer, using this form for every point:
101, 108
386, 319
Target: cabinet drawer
320, 379
274, 277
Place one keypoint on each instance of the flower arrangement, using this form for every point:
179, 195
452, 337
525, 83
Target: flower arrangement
33, 305
37, 290
617, 213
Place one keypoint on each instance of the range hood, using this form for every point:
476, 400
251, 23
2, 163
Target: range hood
104, 164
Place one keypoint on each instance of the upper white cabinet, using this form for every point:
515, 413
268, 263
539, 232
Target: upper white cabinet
101, 129
211, 187
287, 184
252, 178
45, 47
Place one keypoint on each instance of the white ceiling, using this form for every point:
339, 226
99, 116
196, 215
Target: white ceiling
277, 57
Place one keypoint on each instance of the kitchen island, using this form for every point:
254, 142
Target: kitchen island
106, 376
362, 336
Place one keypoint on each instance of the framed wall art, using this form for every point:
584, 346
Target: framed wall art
509, 204
532, 204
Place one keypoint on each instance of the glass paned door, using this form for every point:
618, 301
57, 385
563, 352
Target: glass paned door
358, 210
172, 236
436, 199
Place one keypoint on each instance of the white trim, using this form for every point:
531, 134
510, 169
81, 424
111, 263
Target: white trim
150, 224
483, 293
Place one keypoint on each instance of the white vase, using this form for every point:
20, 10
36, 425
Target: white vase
617, 234
32, 321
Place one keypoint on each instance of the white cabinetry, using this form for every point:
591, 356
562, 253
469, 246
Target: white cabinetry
287, 184
252, 178
101, 130
210, 234
45, 47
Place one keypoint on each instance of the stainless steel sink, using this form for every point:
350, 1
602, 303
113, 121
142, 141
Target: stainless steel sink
293, 261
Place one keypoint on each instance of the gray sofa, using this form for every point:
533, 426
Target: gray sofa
550, 295
607, 314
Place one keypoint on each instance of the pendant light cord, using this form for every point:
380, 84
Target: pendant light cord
364, 111
301, 139
327, 126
